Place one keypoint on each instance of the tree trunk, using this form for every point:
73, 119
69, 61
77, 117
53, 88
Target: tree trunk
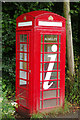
70, 55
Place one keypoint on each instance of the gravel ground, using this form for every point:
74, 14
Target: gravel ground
75, 114
69, 116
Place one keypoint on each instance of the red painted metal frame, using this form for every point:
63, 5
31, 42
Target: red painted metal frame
35, 33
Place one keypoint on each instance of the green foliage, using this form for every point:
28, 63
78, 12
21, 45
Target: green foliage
73, 84
7, 109
75, 19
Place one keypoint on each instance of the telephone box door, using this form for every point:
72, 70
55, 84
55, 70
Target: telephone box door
22, 67
52, 69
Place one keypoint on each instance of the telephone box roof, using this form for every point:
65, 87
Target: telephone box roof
41, 12
36, 14
40, 19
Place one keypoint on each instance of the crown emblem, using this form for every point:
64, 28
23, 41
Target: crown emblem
24, 17
50, 18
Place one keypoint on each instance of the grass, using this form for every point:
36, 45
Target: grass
54, 113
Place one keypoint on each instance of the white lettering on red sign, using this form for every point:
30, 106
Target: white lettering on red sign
44, 23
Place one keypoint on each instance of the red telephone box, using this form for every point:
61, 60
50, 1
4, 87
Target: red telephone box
40, 61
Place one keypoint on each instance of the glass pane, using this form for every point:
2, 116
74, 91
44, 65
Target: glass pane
49, 103
54, 75
59, 38
49, 94
50, 38
50, 48
23, 38
41, 57
40, 104
58, 93
58, 84
23, 74
58, 66
50, 84
50, 75
41, 76
40, 85
23, 47
23, 82
23, 65
50, 66
40, 94
23, 101
46, 66
23, 56
22, 92
59, 57
50, 57
58, 75
59, 48
41, 67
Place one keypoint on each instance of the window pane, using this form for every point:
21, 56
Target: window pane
54, 75
58, 75
23, 56
59, 57
49, 103
49, 94
58, 84
50, 75
50, 66
41, 57
22, 82
58, 93
59, 48
23, 65
58, 66
41, 67
50, 57
23, 74
50, 48
23, 47
59, 38
23, 101
22, 92
40, 104
41, 76
50, 84
23, 38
